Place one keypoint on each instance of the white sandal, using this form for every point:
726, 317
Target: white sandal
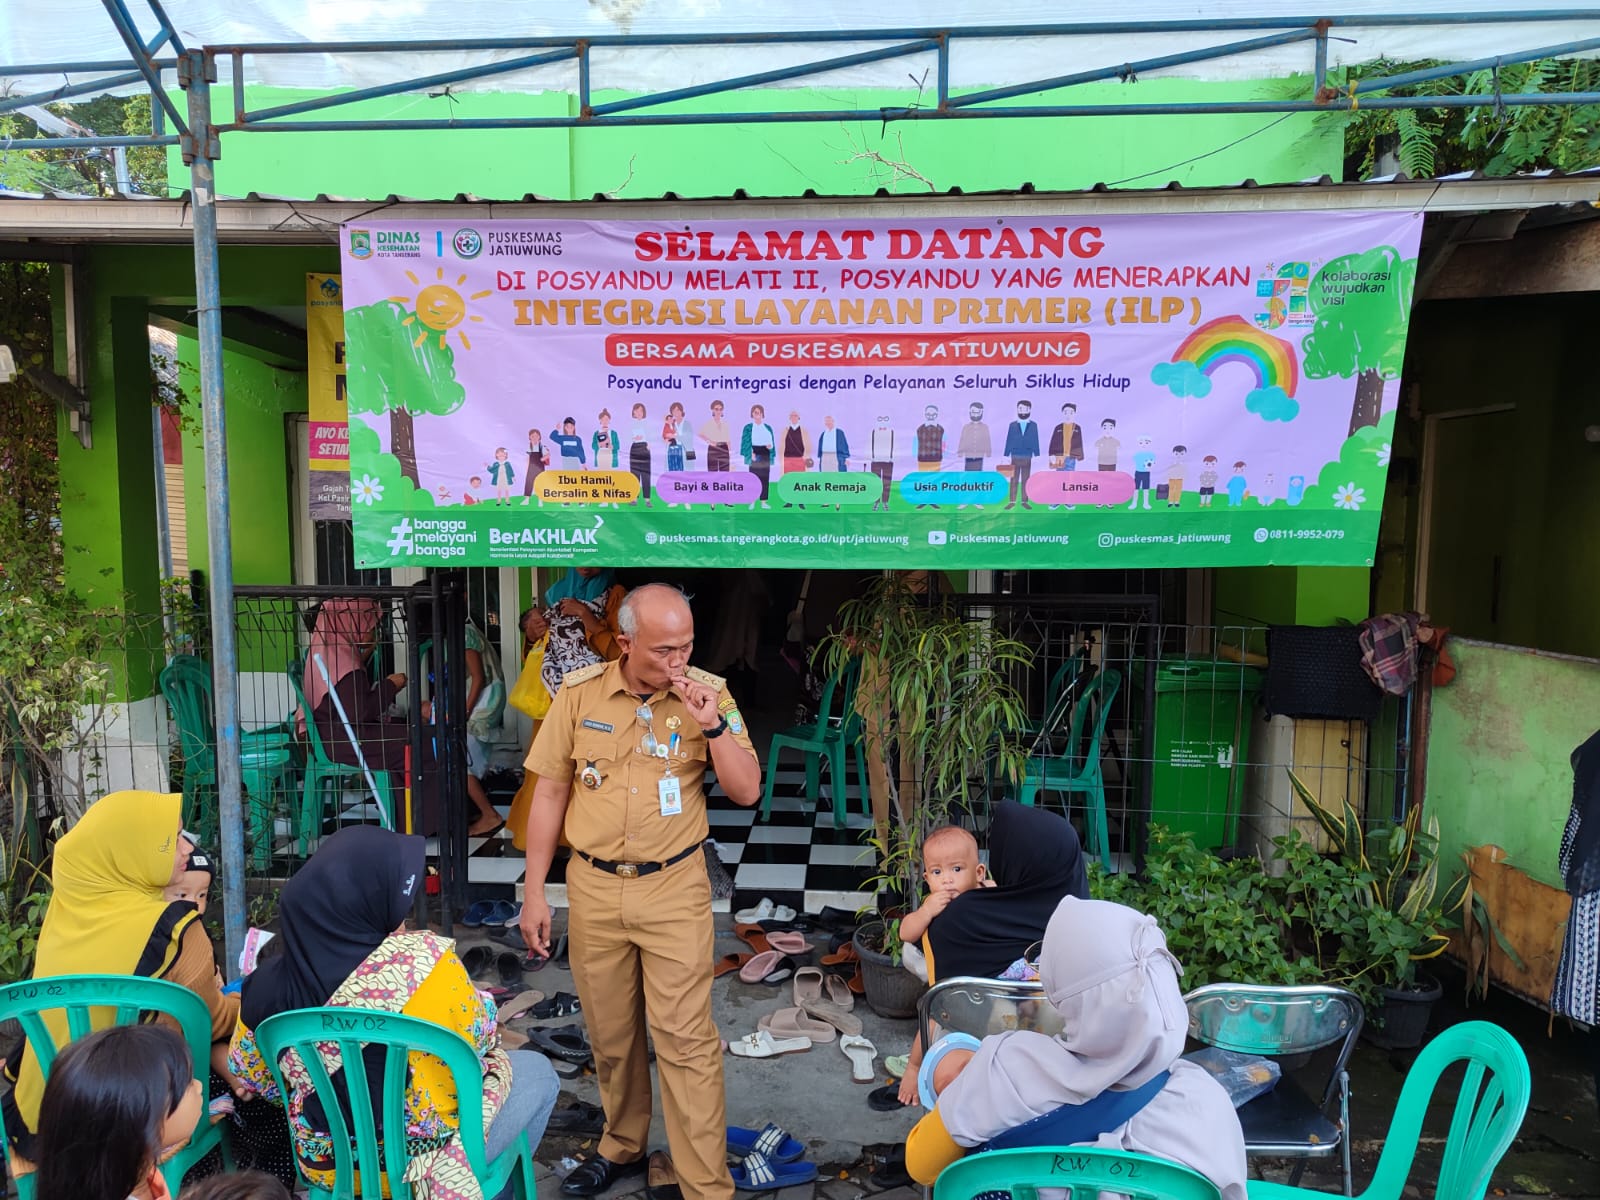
762, 1044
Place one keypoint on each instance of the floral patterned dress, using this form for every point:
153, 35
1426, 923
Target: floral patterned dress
416, 975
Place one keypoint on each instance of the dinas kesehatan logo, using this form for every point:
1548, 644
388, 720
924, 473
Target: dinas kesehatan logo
360, 243
439, 308
467, 243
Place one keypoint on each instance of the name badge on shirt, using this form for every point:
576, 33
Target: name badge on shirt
671, 792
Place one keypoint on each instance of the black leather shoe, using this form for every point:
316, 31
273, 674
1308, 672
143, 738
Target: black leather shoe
597, 1173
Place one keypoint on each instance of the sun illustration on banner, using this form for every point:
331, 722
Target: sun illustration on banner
440, 308
1234, 341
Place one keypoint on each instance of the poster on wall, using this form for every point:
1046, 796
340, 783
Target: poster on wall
953, 392
327, 429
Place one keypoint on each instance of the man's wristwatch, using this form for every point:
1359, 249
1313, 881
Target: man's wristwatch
720, 729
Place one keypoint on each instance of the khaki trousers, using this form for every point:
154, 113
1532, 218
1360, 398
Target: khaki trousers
642, 951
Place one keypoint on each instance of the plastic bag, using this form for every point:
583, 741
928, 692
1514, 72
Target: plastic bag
1245, 1076
529, 694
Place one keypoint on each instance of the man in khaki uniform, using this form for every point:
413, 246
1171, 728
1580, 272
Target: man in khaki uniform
621, 759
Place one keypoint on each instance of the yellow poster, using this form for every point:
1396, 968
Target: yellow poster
326, 405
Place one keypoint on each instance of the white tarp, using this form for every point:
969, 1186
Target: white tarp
34, 32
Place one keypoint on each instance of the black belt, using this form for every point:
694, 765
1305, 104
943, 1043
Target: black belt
636, 870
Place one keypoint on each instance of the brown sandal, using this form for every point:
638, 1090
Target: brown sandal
729, 963
753, 936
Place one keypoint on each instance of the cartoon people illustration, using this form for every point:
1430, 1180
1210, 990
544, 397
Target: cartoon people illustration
797, 455
1268, 494
833, 448
1066, 441
1297, 490
756, 445
639, 453
476, 484
1208, 479
1143, 463
1022, 447
880, 452
444, 497
678, 436
538, 460
716, 435
605, 443
568, 444
1175, 474
1107, 445
502, 474
975, 444
1238, 487
930, 441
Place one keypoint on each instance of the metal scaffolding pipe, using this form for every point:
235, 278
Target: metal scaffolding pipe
200, 147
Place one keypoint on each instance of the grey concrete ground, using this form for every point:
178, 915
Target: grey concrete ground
1557, 1153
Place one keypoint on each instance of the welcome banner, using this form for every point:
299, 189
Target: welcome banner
963, 392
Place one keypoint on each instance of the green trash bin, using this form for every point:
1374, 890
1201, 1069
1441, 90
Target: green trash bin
1204, 716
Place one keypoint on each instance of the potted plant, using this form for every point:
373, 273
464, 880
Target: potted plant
936, 702
1406, 912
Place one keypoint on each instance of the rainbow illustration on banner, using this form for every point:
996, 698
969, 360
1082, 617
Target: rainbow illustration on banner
1233, 339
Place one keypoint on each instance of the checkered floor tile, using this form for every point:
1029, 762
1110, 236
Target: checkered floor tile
796, 857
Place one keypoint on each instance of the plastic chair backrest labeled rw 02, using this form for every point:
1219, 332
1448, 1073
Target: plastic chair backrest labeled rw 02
130, 997
1079, 1172
364, 1167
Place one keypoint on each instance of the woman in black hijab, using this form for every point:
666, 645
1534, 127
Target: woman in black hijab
1035, 861
345, 945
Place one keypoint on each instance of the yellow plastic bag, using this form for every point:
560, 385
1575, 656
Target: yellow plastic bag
529, 694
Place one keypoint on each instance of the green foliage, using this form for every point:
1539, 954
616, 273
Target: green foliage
391, 368
78, 171
369, 463
1490, 138
24, 888
1357, 329
1405, 909
947, 705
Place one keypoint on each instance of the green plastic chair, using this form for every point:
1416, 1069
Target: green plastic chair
1488, 1112
1079, 1172
826, 738
324, 780
364, 1167
1065, 773
132, 997
265, 758
1066, 675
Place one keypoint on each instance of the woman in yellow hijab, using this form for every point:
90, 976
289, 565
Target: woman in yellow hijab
107, 916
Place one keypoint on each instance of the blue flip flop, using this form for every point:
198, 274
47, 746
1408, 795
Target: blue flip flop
757, 1173
479, 912
772, 1141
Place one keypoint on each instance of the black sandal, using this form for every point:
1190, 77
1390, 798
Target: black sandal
579, 1117
562, 1004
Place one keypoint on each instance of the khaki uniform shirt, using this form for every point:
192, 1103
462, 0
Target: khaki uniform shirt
594, 721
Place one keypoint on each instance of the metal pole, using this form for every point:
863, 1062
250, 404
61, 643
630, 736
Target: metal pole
163, 523
196, 72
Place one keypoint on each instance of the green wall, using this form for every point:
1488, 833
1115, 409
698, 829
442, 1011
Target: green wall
773, 159
1290, 596
1500, 746
1515, 555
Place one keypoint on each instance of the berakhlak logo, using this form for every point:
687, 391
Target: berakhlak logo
330, 288
467, 243
360, 243
401, 543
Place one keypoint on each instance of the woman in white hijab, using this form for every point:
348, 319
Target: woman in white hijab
1113, 1077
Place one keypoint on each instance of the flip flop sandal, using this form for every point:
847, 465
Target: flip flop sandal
532, 960
562, 1004
807, 986
897, 1064
661, 1178
792, 944
793, 1022
771, 1141
758, 1173
762, 1044
558, 952
510, 968
503, 913
892, 1173
567, 1044
753, 936
823, 1010
885, 1098
855, 983
510, 1039
729, 963
841, 955
518, 1004
836, 918
579, 1117
839, 992
860, 1052
476, 913
760, 966
478, 960
779, 973
765, 911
